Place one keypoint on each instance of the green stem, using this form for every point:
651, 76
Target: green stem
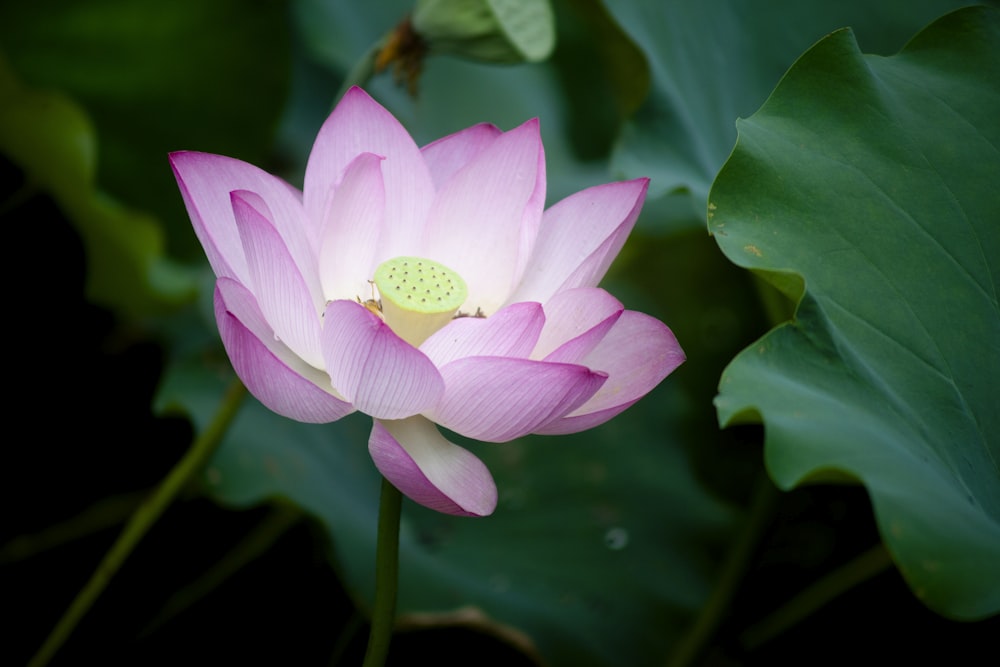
693, 644
386, 575
141, 521
860, 569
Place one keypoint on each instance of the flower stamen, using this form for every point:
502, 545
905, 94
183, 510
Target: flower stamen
418, 296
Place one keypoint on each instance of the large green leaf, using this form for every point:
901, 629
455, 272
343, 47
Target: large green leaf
716, 60
873, 183
604, 545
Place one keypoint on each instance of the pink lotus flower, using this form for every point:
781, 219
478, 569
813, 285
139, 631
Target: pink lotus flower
425, 287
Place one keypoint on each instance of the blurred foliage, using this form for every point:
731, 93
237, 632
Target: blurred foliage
156, 77
493, 31
52, 143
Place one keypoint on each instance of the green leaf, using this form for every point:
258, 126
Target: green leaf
717, 60
156, 77
875, 181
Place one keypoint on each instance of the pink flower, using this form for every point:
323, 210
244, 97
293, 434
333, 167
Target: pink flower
322, 297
